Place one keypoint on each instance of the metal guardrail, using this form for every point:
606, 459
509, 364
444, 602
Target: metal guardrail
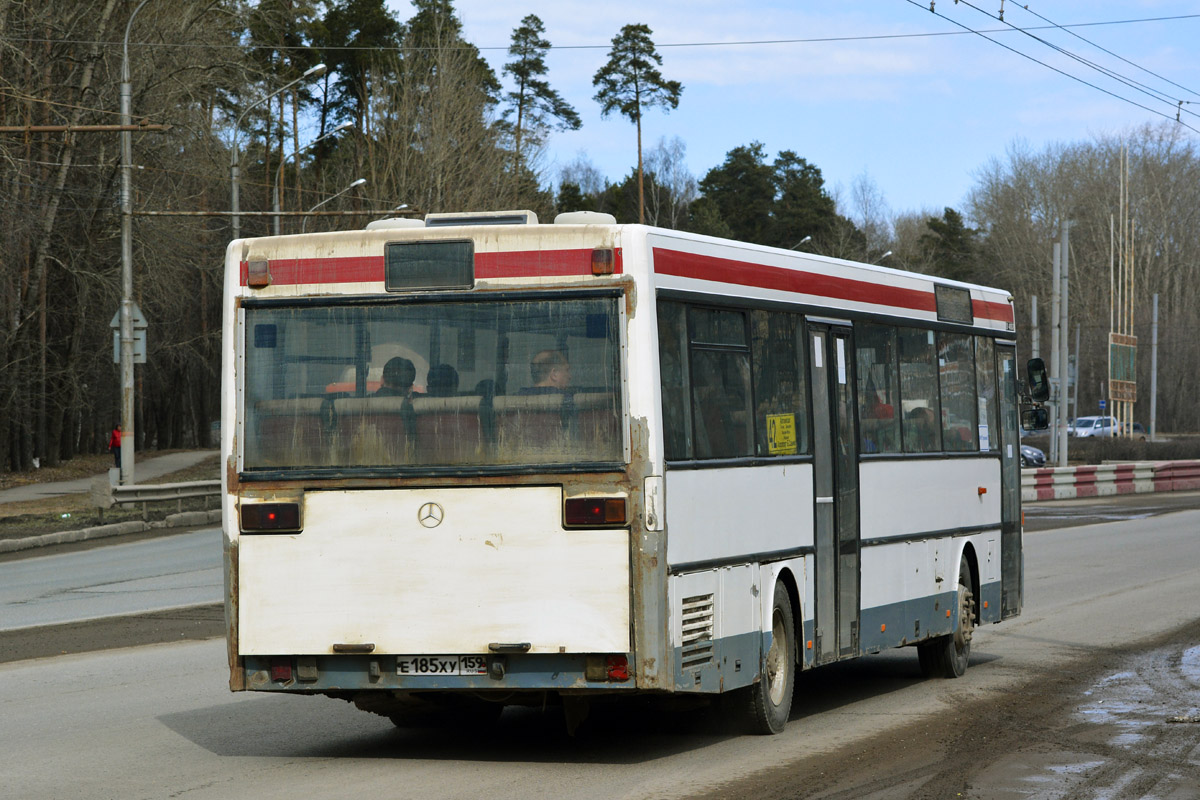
106, 493
139, 493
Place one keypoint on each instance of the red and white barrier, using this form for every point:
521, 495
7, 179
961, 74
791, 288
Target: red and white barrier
1141, 477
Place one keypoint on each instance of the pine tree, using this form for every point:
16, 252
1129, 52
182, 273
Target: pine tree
952, 246
741, 192
630, 81
533, 99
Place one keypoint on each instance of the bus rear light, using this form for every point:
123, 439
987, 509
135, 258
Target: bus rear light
270, 517
281, 669
613, 668
603, 261
617, 668
258, 274
594, 511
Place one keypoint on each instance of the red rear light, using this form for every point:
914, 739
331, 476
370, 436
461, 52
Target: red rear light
270, 517
258, 274
617, 668
590, 511
281, 669
603, 260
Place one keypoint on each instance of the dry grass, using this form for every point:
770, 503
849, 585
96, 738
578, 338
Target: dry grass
78, 467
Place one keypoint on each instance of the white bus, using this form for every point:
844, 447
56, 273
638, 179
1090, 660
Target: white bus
476, 460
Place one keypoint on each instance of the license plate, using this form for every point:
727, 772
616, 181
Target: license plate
441, 665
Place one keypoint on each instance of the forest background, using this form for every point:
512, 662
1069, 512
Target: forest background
412, 108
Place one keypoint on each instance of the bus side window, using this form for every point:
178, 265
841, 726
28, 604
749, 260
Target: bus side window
878, 389
919, 390
780, 389
720, 404
720, 382
956, 369
985, 379
672, 358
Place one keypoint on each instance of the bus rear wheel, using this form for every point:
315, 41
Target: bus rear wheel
948, 656
770, 699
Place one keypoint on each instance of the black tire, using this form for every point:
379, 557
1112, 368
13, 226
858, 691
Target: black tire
770, 699
948, 656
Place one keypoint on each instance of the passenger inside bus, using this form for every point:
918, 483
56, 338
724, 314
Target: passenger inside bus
398, 376
442, 381
919, 432
877, 428
550, 373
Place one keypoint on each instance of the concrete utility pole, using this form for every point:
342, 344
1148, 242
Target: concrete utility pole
127, 431
1055, 372
1154, 372
1033, 323
1065, 258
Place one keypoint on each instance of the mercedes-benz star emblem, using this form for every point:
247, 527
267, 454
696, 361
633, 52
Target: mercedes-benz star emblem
430, 515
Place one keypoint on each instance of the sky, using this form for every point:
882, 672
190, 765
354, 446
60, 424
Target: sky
916, 114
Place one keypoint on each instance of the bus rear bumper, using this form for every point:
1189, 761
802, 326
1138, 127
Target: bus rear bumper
481, 673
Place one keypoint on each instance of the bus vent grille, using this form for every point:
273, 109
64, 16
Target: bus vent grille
697, 631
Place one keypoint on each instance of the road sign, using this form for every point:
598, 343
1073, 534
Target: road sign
139, 335
1102, 404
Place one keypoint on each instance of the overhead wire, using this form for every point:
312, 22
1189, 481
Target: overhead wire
607, 46
1106, 50
1051, 67
1132, 84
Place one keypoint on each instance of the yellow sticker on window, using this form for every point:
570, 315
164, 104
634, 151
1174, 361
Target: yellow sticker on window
781, 434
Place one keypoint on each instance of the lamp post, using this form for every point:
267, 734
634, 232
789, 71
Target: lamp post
881, 258
279, 173
354, 185
126, 312
311, 72
805, 240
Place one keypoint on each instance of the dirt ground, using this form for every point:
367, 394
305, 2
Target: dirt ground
1123, 725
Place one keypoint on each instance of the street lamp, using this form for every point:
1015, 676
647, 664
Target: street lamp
354, 185
881, 258
279, 173
311, 72
805, 240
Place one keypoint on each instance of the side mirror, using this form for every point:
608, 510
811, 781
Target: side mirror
1035, 418
1039, 384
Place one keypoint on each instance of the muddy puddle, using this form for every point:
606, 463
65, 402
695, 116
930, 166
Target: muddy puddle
1134, 733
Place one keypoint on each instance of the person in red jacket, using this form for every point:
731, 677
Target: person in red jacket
114, 444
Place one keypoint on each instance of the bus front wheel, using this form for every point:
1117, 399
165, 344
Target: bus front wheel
771, 697
948, 656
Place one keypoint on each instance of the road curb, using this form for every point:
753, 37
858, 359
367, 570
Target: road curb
180, 520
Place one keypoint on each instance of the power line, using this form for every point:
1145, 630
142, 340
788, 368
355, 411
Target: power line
1048, 66
1111, 53
1132, 84
745, 43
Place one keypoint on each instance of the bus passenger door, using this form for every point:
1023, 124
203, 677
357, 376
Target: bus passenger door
1012, 563
835, 476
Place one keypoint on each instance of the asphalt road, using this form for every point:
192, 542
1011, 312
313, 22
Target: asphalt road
159, 721
151, 575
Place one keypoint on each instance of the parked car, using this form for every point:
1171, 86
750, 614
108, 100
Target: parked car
1095, 426
1032, 457
1139, 432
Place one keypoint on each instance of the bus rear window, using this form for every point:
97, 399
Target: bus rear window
439, 384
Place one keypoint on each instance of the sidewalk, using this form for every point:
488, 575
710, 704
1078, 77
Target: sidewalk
145, 471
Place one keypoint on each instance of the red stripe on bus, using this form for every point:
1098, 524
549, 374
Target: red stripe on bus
370, 269
743, 273
337, 269
987, 309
